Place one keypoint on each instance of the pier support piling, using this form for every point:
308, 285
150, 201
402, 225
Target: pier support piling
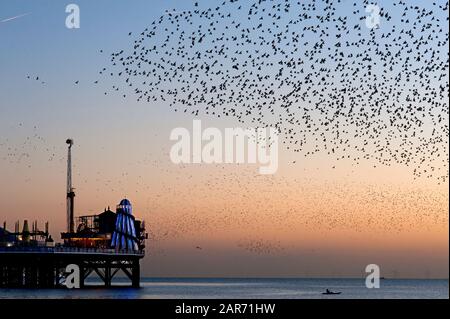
47, 269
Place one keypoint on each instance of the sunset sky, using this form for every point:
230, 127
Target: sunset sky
316, 217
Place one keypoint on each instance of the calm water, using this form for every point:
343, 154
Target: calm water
250, 288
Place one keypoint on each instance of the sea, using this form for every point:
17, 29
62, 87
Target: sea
239, 288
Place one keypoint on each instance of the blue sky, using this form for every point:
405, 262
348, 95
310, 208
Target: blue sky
117, 138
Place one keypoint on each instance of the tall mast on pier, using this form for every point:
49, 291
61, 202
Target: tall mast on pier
70, 189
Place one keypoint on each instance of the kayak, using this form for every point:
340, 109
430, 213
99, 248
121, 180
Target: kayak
331, 293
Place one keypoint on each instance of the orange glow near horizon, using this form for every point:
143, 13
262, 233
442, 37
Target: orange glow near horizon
301, 215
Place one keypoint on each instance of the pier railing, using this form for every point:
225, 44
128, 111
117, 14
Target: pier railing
70, 250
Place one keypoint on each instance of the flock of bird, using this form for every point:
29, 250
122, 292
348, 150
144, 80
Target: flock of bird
314, 71
311, 69
21, 153
227, 200
261, 246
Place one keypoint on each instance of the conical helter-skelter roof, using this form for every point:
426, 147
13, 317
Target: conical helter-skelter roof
125, 207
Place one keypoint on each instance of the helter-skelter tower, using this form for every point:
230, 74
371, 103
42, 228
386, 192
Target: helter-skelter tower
124, 236
70, 189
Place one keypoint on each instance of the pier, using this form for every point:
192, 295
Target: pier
45, 267
105, 245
